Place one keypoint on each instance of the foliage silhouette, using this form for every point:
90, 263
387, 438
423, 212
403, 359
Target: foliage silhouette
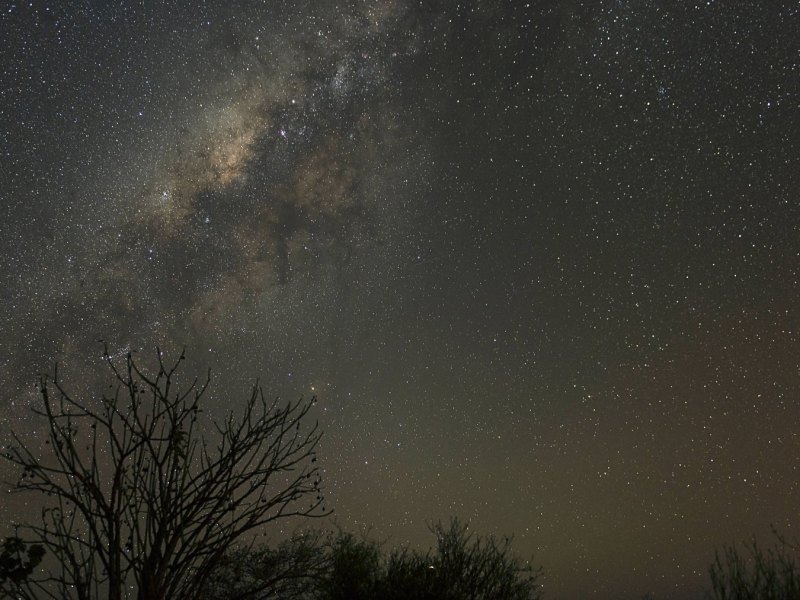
287, 571
17, 562
144, 506
353, 569
463, 566
756, 574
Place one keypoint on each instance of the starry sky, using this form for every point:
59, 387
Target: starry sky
539, 261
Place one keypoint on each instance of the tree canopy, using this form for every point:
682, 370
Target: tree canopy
140, 502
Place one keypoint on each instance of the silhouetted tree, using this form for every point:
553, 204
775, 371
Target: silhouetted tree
354, 569
17, 562
462, 567
466, 566
756, 574
287, 571
145, 507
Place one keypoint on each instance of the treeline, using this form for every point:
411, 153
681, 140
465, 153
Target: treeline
461, 566
320, 566
146, 497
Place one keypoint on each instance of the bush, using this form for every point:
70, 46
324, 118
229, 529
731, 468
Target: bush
756, 574
463, 566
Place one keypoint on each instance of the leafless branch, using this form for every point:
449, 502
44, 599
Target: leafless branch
145, 505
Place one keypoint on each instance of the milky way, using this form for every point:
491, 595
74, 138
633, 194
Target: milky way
539, 261
265, 188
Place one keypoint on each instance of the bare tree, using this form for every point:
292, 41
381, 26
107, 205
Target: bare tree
288, 571
143, 506
753, 572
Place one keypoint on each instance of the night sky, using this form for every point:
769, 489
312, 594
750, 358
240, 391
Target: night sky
539, 261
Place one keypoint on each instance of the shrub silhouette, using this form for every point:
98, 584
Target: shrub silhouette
288, 571
353, 569
462, 566
755, 573
17, 562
